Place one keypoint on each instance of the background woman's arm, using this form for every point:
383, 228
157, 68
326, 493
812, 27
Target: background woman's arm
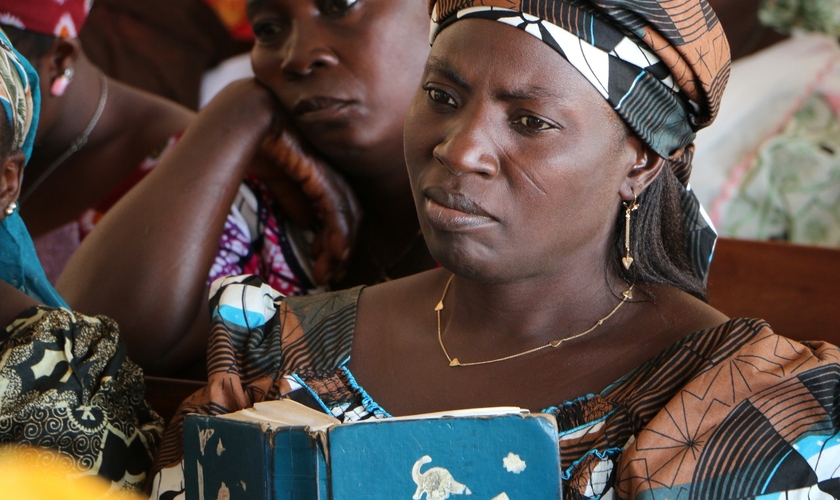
146, 263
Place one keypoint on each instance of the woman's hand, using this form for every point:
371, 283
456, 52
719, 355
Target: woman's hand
311, 193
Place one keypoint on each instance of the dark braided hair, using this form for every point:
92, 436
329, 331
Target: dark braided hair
657, 239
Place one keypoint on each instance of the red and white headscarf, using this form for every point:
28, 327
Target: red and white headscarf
62, 18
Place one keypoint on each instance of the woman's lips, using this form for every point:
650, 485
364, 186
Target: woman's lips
320, 108
449, 211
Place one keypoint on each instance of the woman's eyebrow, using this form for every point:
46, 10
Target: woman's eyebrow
440, 66
527, 94
253, 6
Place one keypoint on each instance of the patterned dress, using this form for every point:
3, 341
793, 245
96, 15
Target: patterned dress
258, 239
67, 385
731, 412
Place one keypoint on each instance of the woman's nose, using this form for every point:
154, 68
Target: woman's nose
304, 51
469, 145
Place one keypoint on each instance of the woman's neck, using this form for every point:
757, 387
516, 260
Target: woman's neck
73, 113
528, 311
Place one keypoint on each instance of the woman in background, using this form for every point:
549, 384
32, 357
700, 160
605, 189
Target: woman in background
65, 381
769, 168
148, 267
343, 74
96, 137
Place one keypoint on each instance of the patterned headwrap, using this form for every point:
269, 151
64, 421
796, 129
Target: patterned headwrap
61, 18
661, 64
21, 99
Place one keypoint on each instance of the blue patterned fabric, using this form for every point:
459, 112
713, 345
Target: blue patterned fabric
21, 100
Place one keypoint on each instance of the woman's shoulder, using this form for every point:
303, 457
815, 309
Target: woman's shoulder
159, 118
694, 321
746, 350
56, 319
739, 390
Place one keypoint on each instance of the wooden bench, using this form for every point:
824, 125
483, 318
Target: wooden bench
795, 288
166, 394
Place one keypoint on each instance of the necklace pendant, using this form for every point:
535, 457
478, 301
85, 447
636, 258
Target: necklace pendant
628, 294
627, 261
555, 343
454, 362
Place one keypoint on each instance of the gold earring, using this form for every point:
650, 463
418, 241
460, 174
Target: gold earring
627, 260
11, 208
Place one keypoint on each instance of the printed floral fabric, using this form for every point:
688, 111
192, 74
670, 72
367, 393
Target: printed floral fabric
257, 239
791, 191
67, 385
731, 412
816, 16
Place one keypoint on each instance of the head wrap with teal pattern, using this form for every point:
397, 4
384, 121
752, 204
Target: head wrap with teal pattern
661, 65
21, 99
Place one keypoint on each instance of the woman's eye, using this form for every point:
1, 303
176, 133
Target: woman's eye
267, 31
532, 123
441, 97
337, 8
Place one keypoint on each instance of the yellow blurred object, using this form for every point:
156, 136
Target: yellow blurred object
36, 474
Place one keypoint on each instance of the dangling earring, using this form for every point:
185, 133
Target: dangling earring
11, 208
60, 84
628, 207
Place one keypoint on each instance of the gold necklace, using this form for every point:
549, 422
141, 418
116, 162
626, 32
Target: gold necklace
626, 295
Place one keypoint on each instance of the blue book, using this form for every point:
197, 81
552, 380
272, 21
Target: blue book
281, 450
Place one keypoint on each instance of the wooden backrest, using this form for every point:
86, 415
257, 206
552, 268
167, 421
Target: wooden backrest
166, 394
795, 288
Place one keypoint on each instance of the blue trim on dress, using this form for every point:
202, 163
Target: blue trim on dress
313, 393
609, 453
589, 424
370, 405
551, 409
773, 472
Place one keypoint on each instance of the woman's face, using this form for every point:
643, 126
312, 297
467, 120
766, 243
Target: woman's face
11, 173
515, 160
345, 70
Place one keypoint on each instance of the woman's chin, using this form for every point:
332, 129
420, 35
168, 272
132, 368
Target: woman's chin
472, 265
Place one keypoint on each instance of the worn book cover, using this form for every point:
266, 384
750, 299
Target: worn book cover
281, 450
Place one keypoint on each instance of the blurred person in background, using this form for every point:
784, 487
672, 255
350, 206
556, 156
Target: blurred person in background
769, 168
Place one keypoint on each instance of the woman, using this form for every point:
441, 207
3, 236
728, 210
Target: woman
96, 137
65, 380
147, 265
547, 147
343, 73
